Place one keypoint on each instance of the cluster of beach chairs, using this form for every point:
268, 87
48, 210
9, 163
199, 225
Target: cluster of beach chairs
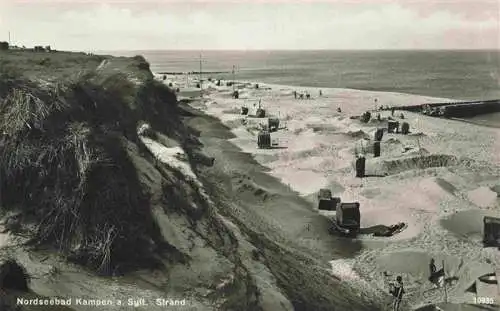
302, 95
393, 127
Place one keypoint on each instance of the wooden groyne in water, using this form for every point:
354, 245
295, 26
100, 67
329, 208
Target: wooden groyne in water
192, 72
455, 109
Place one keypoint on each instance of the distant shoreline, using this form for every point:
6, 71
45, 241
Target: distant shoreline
191, 72
475, 120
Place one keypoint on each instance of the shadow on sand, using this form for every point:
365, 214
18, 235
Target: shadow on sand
277, 147
375, 175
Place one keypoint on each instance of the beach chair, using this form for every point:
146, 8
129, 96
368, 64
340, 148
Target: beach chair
379, 134
405, 128
273, 124
376, 149
360, 167
328, 204
491, 235
348, 217
392, 126
264, 140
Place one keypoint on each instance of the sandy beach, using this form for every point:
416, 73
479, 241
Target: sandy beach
439, 179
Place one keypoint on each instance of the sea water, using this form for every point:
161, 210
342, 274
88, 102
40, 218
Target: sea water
460, 75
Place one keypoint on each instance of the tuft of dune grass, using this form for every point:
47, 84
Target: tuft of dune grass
64, 163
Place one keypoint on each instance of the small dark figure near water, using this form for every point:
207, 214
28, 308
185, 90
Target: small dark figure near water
392, 111
339, 110
320, 93
397, 291
301, 96
308, 96
402, 116
379, 117
295, 94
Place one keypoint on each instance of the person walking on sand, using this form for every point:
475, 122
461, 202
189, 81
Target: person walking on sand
295, 94
436, 277
398, 292
432, 267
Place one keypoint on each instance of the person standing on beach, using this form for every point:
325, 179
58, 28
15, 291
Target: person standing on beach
432, 267
398, 292
295, 94
436, 277
320, 93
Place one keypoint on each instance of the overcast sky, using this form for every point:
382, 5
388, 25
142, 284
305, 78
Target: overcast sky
271, 24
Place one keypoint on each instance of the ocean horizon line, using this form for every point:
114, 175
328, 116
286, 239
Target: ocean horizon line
300, 50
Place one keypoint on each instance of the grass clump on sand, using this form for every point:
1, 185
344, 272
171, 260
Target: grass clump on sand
64, 165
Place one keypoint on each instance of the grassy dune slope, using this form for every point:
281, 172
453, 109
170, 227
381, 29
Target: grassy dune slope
64, 166
76, 177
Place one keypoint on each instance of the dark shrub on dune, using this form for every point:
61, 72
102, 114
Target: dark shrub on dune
65, 164
141, 62
139, 58
157, 104
4, 46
